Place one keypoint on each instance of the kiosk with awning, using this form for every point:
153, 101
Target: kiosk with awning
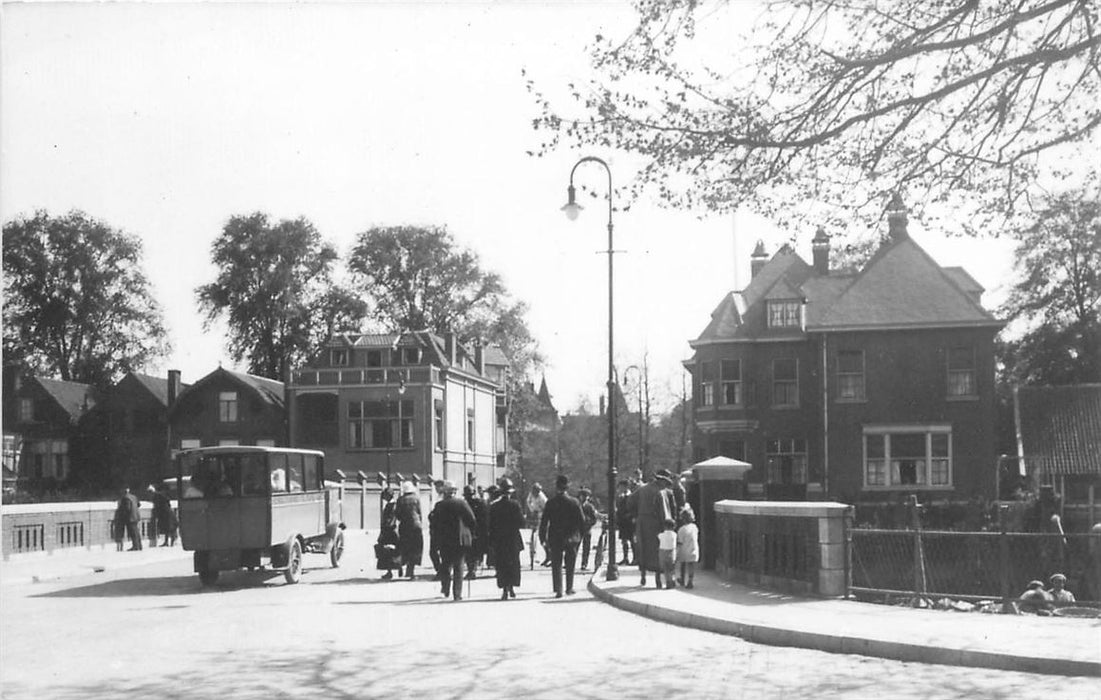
709, 481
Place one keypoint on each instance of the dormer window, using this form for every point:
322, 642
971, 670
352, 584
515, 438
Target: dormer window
338, 357
785, 313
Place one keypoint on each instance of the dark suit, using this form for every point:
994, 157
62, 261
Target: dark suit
560, 532
505, 522
453, 523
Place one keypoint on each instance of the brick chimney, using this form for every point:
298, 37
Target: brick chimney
897, 219
820, 245
479, 357
449, 344
758, 260
173, 386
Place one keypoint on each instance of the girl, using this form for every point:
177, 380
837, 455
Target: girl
688, 548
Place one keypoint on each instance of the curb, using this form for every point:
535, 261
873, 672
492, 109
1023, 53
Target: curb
896, 651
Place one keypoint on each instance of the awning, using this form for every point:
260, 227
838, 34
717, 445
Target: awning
718, 468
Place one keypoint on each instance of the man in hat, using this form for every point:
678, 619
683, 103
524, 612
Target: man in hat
454, 524
481, 531
589, 513
652, 505
1059, 594
560, 533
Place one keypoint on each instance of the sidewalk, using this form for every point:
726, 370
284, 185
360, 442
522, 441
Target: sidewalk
1054, 645
42, 567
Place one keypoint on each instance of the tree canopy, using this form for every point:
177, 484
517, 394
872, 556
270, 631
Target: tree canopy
276, 291
1057, 299
839, 103
77, 304
419, 278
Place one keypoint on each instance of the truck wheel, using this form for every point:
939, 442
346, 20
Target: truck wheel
337, 549
293, 572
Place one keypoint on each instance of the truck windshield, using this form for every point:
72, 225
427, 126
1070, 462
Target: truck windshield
225, 475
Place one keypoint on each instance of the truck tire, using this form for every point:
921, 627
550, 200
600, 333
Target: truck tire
337, 550
293, 572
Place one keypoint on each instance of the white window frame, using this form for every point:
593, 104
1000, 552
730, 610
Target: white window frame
958, 376
734, 383
227, 407
888, 467
707, 385
785, 313
858, 379
795, 382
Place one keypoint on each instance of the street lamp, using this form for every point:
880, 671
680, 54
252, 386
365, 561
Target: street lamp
640, 435
390, 442
572, 210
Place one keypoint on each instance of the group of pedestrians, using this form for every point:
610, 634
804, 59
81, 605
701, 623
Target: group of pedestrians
658, 523
127, 520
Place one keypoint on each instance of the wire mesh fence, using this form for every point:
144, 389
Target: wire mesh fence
929, 564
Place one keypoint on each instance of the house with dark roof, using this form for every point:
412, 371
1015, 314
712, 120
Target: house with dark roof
228, 408
1059, 445
129, 429
408, 403
43, 437
863, 385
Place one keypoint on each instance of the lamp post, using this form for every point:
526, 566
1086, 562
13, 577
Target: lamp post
572, 210
390, 442
640, 435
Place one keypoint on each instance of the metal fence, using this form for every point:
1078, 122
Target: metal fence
930, 564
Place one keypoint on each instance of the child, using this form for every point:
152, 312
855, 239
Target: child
688, 548
667, 552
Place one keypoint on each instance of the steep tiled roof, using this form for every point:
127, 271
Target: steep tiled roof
269, 390
157, 386
726, 319
902, 285
1060, 427
73, 397
495, 356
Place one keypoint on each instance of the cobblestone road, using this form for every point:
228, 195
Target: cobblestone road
151, 632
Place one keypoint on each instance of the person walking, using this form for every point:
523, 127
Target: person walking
560, 533
588, 511
481, 530
537, 501
625, 521
386, 547
128, 514
454, 526
407, 512
652, 505
165, 518
506, 519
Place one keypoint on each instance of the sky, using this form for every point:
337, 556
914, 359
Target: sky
164, 120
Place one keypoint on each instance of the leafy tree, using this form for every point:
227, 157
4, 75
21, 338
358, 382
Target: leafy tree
77, 304
420, 279
275, 289
1058, 296
840, 102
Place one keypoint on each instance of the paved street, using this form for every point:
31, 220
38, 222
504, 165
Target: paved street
151, 631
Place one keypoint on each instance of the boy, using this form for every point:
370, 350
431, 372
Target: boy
667, 553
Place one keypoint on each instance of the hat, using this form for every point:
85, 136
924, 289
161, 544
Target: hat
448, 487
561, 482
386, 493
1035, 584
584, 491
1058, 577
468, 490
505, 484
408, 487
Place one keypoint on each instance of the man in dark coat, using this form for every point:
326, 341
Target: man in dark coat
128, 513
506, 519
652, 505
453, 524
481, 530
625, 520
560, 533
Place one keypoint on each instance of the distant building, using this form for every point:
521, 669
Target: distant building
408, 403
857, 386
229, 408
43, 438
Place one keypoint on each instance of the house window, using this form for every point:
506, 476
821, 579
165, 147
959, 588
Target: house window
470, 430
374, 358
229, 442
411, 356
908, 458
265, 442
380, 424
338, 357
785, 383
190, 443
731, 375
961, 372
784, 314
850, 375
227, 406
786, 460
706, 395
734, 449
26, 410
59, 450
439, 425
